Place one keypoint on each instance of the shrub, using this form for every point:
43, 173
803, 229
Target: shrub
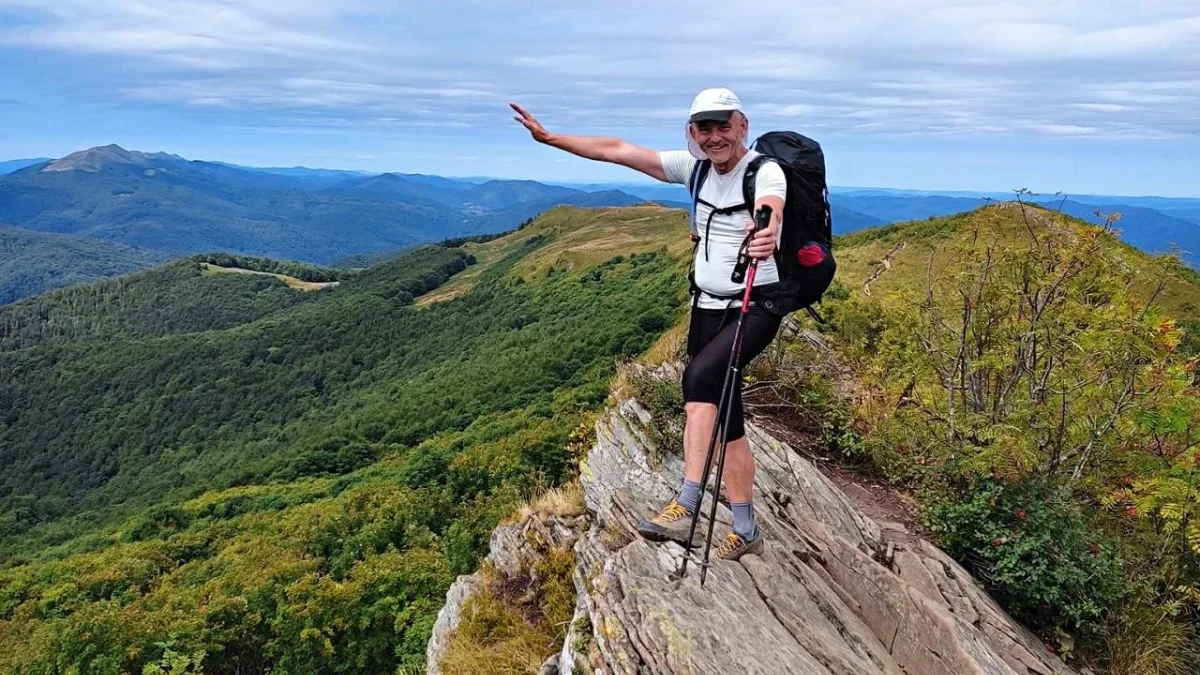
1033, 548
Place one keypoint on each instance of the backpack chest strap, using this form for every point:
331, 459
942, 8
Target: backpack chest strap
727, 210
696, 182
714, 211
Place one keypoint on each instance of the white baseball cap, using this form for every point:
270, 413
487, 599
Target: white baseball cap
717, 104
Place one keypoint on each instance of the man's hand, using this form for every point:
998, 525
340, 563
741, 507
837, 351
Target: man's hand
602, 148
530, 122
763, 243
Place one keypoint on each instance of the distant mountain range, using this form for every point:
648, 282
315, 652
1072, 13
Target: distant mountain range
168, 203
301, 171
1153, 224
163, 205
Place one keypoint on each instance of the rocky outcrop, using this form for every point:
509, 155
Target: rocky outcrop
447, 620
834, 592
514, 550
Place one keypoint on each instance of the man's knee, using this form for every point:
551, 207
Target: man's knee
736, 431
699, 384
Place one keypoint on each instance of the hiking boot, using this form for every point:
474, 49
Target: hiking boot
671, 524
735, 547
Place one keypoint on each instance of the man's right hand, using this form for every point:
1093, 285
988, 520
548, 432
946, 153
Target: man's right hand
530, 122
602, 148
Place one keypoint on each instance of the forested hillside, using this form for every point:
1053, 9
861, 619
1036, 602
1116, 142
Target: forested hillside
255, 478
33, 262
179, 297
221, 471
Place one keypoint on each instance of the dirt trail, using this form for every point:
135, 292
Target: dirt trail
887, 265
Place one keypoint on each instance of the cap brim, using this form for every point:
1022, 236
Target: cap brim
711, 116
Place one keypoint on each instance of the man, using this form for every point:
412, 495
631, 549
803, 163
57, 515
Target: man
717, 129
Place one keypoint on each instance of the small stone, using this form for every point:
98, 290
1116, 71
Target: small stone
550, 667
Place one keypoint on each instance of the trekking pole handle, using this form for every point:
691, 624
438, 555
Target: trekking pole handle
762, 218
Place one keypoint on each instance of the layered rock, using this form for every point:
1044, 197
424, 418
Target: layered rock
834, 592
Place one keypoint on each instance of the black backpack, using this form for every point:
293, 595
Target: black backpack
806, 218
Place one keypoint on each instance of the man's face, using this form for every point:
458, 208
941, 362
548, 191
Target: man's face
719, 140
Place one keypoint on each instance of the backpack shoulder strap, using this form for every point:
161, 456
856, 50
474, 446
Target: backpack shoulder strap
695, 182
748, 180
699, 173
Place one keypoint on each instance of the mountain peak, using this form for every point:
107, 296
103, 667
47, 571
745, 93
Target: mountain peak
97, 159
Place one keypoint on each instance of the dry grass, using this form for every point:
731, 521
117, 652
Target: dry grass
495, 637
443, 293
512, 624
583, 238
292, 282
564, 502
1151, 643
670, 346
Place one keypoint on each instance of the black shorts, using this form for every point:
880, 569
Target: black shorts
710, 344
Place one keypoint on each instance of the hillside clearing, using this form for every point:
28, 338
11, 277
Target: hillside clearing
292, 282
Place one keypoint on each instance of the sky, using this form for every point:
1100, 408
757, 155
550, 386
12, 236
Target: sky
1077, 96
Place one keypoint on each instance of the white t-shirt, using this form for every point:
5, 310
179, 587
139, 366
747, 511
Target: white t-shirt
716, 256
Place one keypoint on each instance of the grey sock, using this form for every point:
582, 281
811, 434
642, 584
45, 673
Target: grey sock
743, 520
689, 497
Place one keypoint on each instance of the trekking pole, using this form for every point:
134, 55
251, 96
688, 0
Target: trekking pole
724, 410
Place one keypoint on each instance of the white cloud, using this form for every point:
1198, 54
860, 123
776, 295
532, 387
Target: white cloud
1063, 129
965, 67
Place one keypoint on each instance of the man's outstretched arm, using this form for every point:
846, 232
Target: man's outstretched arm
600, 148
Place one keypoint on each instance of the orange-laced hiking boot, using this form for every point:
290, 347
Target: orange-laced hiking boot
671, 524
735, 547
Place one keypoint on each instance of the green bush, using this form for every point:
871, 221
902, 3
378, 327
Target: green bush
1032, 547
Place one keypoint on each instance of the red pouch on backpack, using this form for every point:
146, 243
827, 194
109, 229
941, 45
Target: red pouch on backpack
810, 255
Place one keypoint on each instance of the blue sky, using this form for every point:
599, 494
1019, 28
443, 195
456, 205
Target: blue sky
956, 95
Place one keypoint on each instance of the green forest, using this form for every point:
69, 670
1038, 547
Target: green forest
215, 472
34, 262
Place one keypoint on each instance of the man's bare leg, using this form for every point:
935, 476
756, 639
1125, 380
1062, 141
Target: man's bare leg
739, 461
738, 478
